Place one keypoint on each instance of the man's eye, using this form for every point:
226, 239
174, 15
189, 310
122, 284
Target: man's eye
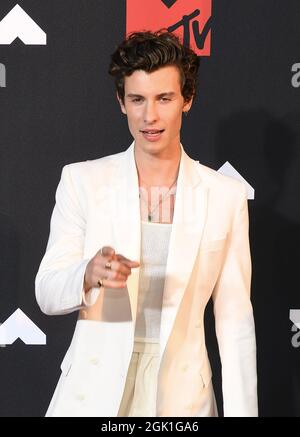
136, 100
165, 99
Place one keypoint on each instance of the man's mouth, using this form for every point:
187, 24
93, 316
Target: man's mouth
152, 131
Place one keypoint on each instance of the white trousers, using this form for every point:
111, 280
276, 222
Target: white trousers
139, 397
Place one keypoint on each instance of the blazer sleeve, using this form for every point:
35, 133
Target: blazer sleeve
234, 320
60, 277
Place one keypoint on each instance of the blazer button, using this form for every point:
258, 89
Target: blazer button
80, 397
94, 361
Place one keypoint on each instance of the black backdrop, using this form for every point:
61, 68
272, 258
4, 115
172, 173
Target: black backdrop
59, 106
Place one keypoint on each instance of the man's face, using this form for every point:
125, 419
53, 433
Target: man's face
154, 104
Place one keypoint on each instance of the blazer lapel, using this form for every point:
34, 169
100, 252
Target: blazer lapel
126, 221
188, 223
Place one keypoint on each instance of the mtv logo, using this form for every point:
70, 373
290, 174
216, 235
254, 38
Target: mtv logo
18, 325
18, 24
188, 19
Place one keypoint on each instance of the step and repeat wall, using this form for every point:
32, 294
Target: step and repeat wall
58, 105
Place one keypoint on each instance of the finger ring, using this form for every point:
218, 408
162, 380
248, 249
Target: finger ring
100, 283
108, 265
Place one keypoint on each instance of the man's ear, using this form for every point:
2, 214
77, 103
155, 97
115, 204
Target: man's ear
123, 109
187, 105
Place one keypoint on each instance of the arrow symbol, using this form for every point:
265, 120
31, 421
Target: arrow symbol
18, 24
169, 3
18, 325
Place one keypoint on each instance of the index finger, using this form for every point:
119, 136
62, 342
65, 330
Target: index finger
128, 261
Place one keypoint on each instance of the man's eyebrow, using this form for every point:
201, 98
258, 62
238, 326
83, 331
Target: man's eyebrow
167, 94
133, 95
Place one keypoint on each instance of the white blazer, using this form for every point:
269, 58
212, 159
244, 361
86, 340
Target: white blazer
97, 204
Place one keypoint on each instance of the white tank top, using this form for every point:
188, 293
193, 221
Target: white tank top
154, 252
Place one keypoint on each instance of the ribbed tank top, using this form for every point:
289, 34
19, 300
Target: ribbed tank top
154, 252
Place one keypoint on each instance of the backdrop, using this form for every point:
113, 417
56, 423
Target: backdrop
58, 105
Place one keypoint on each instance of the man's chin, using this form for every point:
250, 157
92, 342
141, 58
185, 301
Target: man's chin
150, 145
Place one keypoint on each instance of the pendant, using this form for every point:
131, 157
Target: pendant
149, 217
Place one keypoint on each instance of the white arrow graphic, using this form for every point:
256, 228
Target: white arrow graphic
18, 325
17, 23
228, 170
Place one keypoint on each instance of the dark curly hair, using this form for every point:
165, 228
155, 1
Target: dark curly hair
149, 51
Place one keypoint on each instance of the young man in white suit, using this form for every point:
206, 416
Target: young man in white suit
95, 259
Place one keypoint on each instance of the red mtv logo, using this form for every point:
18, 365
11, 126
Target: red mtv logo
189, 19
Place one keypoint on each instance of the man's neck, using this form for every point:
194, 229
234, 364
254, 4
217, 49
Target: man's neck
155, 170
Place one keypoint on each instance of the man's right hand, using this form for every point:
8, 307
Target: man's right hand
115, 277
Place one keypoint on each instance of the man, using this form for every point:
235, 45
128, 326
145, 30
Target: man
139, 242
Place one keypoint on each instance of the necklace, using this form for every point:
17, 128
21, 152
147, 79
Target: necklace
150, 214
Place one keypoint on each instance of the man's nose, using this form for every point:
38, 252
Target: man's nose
150, 114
